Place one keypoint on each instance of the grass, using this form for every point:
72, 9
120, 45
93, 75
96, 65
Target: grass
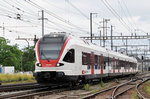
87, 87
12, 78
101, 86
135, 96
102, 83
147, 87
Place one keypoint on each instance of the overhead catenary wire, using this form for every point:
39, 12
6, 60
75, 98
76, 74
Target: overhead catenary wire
56, 16
108, 6
87, 17
122, 9
129, 14
19, 10
13, 14
117, 16
26, 7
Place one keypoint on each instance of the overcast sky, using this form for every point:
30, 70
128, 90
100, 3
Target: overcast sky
72, 16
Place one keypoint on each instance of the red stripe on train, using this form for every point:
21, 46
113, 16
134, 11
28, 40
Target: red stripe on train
101, 64
92, 63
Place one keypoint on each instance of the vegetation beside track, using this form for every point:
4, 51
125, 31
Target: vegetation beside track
147, 87
11, 55
134, 95
16, 78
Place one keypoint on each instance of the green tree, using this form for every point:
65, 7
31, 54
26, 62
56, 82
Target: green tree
9, 55
28, 59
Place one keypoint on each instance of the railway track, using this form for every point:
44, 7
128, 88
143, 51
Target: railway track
40, 91
131, 86
122, 89
17, 87
118, 90
31, 94
110, 92
140, 95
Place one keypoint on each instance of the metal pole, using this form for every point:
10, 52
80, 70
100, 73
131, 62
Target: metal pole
42, 22
149, 44
91, 26
126, 47
35, 40
100, 38
103, 32
21, 63
142, 63
111, 37
116, 48
3, 30
106, 27
28, 43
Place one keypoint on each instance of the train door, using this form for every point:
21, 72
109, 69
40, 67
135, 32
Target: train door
125, 65
113, 64
118, 66
101, 64
92, 63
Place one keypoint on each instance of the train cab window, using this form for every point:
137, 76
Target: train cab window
70, 56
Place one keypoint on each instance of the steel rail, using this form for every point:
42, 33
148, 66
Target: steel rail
137, 86
115, 90
123, 92
4, 96
102, 91
25, 86
105, 90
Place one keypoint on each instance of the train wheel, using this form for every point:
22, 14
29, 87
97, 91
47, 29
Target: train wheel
79, 81
72, 84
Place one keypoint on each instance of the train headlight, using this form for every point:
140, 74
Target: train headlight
39, 64
57, 64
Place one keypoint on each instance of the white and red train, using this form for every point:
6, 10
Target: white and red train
65, 58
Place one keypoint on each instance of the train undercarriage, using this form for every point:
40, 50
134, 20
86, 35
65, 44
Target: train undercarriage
48, 78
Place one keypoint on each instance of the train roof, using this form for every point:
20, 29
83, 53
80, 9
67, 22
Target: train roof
105, 51
82, 42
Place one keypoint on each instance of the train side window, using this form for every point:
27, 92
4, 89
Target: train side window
104, 65
84, 58
88, 61
119, 66
96, 62
116, 64
105, 62
70, 56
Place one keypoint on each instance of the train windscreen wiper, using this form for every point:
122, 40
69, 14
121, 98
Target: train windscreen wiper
44, 55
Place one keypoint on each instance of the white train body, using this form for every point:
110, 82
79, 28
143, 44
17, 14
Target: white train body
62, 57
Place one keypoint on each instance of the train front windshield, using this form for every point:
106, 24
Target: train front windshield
50, 47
